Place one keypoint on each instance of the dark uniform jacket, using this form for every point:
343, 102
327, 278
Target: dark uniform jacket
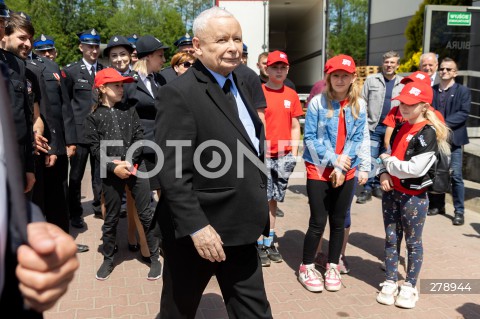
136, 94
79, 85
60, 114
22, 114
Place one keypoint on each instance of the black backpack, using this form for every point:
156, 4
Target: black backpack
442, 180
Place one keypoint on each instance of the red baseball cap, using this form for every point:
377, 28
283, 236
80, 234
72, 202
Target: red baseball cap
277, 56
414, 93
417, 76
340, 62
110, 75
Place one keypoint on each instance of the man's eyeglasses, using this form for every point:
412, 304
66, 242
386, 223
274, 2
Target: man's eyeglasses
186, 64
446, 69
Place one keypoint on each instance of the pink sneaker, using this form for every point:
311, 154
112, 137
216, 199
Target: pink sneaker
333, 279
310, 278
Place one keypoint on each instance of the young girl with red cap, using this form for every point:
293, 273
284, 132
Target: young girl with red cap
405, 176
334, 132
111, 129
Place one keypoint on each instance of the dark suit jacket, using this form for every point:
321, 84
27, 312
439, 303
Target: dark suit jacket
456, 111
193, 109
79, 85
19, 214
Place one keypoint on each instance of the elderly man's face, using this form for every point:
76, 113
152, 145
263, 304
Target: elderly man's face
429, 65
219, 48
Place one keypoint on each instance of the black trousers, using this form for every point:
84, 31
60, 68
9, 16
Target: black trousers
113, 188
78, 162
50, 191
186, 275
326, 202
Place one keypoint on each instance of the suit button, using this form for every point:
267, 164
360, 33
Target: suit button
262, 185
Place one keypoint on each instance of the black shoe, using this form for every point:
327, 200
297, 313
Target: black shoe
458, 219
123, 213
263, 256
364, 197
436, 211
82, 248
97, 214
77, 222
105, 270
156, 269
377, 192
273, 254
135, 247
280, 213
146, 260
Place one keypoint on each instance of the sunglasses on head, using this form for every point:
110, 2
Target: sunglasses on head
186, 64
446, 69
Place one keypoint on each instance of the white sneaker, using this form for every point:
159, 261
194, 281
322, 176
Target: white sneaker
407, 297
387, 295
333, 279
310, 278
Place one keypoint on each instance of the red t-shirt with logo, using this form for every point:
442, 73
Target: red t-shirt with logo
312, 172
282, 106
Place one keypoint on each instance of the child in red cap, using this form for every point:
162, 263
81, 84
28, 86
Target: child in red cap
335, 127
405, 176
111, 129
282, 126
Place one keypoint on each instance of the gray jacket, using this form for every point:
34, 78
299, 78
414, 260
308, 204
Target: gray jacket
374, 93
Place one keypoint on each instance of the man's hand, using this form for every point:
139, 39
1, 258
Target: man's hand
46, 265
50, 160
30, 181
71, 150
41, 144
209, 244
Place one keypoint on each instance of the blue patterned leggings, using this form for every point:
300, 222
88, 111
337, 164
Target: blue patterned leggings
403, 213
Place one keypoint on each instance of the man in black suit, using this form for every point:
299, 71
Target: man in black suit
78, 77
37, 259
214, 205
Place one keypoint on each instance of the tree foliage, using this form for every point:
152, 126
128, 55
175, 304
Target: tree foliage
414, 30
63, 19
348, 28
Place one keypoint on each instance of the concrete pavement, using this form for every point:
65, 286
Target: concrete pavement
450, 252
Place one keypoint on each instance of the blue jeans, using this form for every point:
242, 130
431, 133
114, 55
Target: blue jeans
458, 187
376, 148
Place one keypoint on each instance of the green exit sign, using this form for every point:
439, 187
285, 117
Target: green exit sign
459, 18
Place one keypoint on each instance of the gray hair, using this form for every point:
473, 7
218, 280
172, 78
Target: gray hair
391, 54
200, 24
426, 55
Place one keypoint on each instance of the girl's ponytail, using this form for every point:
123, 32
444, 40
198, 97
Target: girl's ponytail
442, 131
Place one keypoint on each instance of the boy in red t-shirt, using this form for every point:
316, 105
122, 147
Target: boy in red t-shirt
282, 126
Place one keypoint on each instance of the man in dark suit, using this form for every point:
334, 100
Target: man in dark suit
453, 100
37, 259
78, 78
214, 205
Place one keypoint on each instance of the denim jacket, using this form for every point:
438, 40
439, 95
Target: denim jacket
320, 134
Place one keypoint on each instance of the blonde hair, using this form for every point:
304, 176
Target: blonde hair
141, 67
441, 130
353, 96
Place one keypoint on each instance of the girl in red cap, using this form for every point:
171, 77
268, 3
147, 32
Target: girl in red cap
405, 176
111, 129
333, 137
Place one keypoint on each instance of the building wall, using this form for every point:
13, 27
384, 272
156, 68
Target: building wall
251, 15
388, 21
